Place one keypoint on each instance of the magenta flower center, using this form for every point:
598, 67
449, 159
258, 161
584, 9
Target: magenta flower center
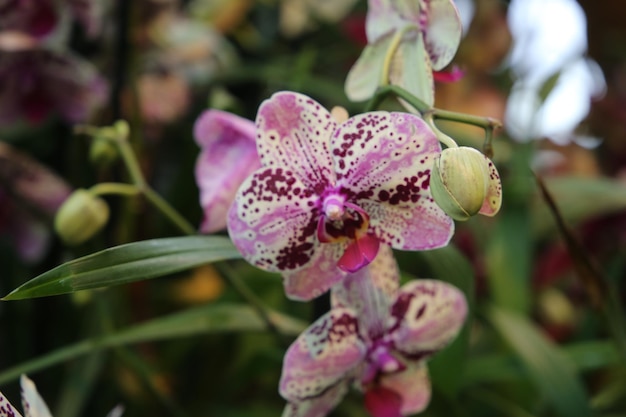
380, 361
341, 220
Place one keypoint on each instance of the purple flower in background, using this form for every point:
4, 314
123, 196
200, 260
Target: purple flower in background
328, 193
228, 155
35, 82
377, 336
34, 17
30, 196
407, 40
39, 18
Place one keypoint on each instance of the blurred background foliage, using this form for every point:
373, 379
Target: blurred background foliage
547, 284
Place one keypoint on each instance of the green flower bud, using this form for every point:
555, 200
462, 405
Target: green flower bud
80, 217
102, 151
464, 182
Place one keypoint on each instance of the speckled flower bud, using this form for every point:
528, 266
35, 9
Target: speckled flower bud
464, 182
80, 217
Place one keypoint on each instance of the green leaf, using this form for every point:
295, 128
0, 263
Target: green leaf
209, 319
448, 264
578, 198
508, 260
585, 356
128, 263
552, 372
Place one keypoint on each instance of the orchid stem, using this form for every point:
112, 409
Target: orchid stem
244, 291
430, 114
115, 188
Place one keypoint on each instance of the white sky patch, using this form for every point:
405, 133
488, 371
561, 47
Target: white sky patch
550, 36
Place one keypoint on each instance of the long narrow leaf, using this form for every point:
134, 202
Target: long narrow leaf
552, 372
213, 318
585, 356
128, 263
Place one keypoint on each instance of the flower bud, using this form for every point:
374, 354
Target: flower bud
464, 182
80, 217
103, 151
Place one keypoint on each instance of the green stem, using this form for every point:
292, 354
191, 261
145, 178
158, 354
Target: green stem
246, 293
430, 114
131, 162
168, 211
159, 202
424, 109
442, 137
114, 188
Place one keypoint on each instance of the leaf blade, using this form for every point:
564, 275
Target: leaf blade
552, 372
127, 263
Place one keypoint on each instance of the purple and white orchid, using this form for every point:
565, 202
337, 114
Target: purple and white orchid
328, 193
376, 336
407, 40
34, 405
227, 157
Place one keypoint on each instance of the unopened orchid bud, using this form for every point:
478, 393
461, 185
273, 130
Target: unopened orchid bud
465, 182
102, 151
80, 217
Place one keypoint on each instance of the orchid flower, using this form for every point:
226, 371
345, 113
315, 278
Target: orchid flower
328, 193
35, 81
228, 156
376, 336
33, 404
30, 195
407, 40
39, 18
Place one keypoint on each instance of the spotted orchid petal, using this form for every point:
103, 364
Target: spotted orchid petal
384, 161
412, 385
319, 275
228, 156
293, 132
317, 406
6, 409
367, 72
493, 198
322, 356
273, 220
411, 69
32, 403
370, 292
425, 317
443, 33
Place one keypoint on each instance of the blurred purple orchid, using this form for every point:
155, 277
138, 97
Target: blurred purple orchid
376, 336
407, 40
35, 82
227, 157
328, 193
39, 18
30, 196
